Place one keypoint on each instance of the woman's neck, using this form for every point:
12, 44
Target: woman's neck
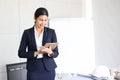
39, 30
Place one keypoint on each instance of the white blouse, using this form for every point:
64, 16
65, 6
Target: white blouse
38, 40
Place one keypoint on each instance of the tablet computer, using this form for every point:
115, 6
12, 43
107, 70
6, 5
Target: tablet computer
53, 45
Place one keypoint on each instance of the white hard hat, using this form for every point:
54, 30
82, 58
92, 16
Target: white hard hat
101, 71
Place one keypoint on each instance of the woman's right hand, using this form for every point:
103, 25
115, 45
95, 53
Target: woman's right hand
44, 50
41, 51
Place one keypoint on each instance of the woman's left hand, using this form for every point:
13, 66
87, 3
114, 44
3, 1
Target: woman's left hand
49, 50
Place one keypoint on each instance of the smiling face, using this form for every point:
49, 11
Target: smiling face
41, 21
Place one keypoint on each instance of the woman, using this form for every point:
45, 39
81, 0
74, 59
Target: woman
40, 60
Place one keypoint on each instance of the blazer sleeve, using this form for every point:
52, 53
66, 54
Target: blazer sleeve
54, 39
22, 52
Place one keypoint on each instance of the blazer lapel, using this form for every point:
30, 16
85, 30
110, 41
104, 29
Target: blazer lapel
44, 36
33, 38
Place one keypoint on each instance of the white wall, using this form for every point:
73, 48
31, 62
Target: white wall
9, 34
16, 15
106, 16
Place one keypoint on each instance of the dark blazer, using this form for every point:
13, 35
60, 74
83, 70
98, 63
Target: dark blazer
28, 41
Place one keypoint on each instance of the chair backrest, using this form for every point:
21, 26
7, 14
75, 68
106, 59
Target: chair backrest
16, 71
